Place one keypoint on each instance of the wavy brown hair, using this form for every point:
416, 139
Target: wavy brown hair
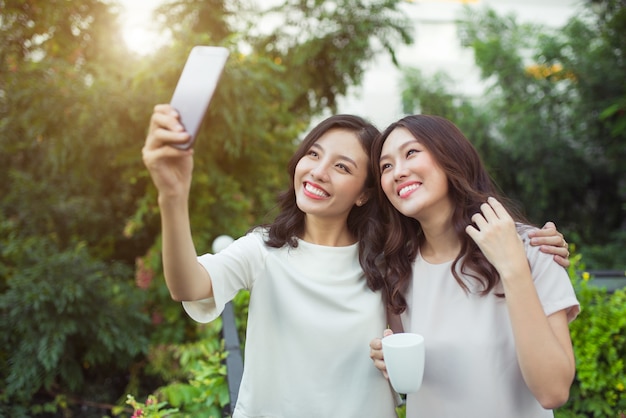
469, 186
364, 221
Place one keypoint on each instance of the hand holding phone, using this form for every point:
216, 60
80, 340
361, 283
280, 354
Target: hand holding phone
196, 86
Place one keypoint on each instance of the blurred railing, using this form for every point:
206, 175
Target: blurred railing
234, 360
610, 279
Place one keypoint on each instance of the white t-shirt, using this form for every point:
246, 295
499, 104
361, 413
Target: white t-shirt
471, 368
311, 318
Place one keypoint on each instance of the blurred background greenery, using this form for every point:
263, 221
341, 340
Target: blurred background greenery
85, 316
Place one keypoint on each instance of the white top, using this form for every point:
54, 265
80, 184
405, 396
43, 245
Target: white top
311, 318
471, 368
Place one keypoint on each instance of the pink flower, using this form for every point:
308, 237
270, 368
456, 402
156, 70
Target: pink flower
143, 274
157, 318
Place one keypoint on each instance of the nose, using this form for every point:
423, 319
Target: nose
320, 171
399, 170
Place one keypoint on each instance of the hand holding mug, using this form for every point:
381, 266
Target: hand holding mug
403, 356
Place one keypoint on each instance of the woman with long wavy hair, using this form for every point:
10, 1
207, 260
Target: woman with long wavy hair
313, 305
493, 310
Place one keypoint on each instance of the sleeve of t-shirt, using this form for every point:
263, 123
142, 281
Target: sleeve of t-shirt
552, 282
231, 270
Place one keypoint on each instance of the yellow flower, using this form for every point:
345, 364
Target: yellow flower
586, 276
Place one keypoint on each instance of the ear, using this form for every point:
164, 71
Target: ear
363, 198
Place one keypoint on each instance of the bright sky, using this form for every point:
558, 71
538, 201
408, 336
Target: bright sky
139, 33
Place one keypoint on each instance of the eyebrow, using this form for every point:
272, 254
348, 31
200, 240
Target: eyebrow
401, 147
342, 157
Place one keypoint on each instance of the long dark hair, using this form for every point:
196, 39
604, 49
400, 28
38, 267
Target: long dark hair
469, 186
364, 221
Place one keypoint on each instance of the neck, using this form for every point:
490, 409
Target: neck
441, 242
332, 233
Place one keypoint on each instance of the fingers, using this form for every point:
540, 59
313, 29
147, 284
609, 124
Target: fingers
548, 230
376, 354
564, 262
165, 128
561, 254
539, 237
376, 349
375, 345
380, 365
551, 242
490, 211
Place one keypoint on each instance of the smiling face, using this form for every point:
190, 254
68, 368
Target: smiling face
330, 178
411, 178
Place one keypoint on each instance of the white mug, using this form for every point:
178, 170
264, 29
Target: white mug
404, 358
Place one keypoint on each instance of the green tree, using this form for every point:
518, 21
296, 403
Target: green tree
550, 125
549, 91
78, 208
268, 95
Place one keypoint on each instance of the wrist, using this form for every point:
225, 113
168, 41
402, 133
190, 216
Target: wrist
515, 273
172, 201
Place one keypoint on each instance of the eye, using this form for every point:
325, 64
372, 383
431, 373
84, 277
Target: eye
412, 151
384, 167
343, 167
312, 153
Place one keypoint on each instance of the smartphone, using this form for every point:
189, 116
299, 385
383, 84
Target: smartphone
196, 86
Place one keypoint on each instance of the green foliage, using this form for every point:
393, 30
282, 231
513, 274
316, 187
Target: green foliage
65, 316
65, 131
431, 95
324, 45
599, 338
199, 388
606, 255
560, 157
152, 408
549, 125
172, 325
79, 209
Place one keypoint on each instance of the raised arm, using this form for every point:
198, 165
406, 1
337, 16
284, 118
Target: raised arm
171, 171
543, 344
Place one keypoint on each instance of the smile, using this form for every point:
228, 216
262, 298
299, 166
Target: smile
406, 190
314, 190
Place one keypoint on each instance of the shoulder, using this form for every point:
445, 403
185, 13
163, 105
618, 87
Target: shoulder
260, 233
541, 264
250, 243
523, 230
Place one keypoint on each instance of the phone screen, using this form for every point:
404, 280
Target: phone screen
196, 86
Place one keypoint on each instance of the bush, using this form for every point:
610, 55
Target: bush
198, 388
67, 320
599, 338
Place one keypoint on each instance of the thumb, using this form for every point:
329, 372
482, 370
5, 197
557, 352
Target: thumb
387, 332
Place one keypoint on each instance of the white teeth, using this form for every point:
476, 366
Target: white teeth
309, 188
407, 189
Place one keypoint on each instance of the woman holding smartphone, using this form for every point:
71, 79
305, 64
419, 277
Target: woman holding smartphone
315, 290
